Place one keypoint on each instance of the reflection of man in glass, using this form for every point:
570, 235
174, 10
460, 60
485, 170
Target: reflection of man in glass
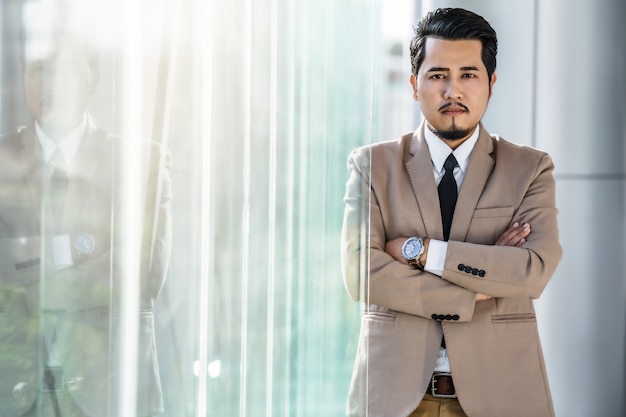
60, 244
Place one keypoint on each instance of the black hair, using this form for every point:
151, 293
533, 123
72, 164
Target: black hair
56, 32
454, 24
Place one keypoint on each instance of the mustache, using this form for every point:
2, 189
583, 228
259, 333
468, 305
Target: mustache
456, 104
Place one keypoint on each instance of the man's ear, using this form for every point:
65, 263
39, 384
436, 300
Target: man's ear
491, 83
95, 79
413, 82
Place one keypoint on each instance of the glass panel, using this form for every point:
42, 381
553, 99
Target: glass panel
289, 98
258, 104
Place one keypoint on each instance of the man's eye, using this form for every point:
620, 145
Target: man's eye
436, 76
69, 67
38, 67
469, 75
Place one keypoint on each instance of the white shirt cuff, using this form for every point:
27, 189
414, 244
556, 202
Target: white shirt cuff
436, 258
62, 251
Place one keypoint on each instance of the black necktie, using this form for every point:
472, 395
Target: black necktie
447, 201
447, 195
58, 185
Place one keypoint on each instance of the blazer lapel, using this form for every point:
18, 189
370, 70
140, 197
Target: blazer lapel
420, 169
478, 171
30, 159
86, 171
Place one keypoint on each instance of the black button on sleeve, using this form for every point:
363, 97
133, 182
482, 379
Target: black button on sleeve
455, 317
474, 271
461, 267
481, 273
448, 317
468, 269
434, 317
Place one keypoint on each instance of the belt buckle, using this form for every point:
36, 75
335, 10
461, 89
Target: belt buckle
433, 388
53, 380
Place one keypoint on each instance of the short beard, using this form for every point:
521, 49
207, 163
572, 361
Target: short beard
453, 134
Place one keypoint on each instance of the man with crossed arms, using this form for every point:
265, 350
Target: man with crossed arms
449, 234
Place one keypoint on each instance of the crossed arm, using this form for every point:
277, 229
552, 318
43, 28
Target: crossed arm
82, 282
515, 235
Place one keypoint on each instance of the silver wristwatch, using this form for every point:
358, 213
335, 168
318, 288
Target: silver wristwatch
412, 249
84, 244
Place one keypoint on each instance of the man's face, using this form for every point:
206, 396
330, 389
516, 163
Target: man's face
452, 87
58, 84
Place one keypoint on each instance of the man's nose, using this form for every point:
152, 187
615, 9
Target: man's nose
49, 75
453, 90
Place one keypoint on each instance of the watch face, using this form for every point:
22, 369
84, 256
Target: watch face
84, 244
412, 248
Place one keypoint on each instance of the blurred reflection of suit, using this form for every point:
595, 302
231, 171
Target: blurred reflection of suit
77, 301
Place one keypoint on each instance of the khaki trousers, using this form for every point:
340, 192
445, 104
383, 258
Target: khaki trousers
438, 407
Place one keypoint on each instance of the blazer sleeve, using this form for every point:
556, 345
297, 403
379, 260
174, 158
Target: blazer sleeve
157, 244
95, 281
512, 271
370, 274
20, 261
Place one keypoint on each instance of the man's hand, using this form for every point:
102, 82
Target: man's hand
394, 248
482, 297
515, 235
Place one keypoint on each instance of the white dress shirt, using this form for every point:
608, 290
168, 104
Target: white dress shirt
68, 145
437, 249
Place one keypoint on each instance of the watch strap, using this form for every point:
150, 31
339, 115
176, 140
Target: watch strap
415, 263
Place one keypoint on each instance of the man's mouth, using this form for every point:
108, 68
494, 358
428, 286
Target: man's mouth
453, 109
47, 101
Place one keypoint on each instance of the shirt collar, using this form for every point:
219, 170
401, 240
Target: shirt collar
68, 144
439, 150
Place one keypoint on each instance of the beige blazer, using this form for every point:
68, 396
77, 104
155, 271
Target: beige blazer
494, 349
80, 300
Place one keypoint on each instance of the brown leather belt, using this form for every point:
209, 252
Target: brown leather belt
53, 379
441, 386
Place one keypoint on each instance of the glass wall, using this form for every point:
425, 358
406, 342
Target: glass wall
275, 97
218, 243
